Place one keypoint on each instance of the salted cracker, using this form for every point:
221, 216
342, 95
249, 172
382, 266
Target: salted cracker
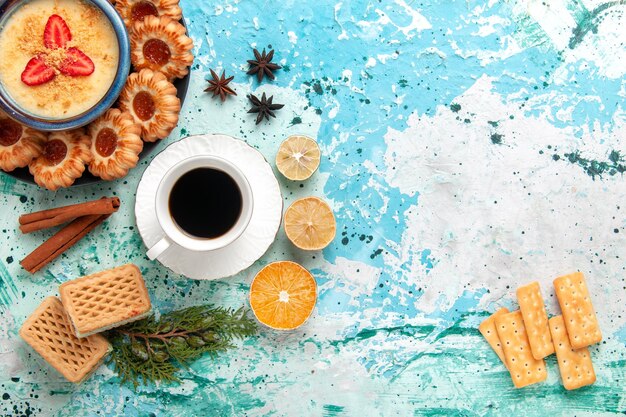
488, 329
523, 367
575, 365
535, 320
580, 319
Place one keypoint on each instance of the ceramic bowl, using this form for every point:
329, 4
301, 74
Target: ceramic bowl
123, 68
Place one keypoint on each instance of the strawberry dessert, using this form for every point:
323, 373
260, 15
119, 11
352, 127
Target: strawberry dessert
58, 58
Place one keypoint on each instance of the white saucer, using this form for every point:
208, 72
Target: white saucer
255, 240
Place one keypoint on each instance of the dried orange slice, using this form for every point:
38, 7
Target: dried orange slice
298, 157
282, 295
310, 223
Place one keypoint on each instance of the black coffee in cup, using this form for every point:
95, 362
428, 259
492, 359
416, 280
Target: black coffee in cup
205, 203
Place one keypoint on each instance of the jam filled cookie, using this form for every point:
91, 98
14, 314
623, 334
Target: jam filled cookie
136, 10
63, 159
115, 144
18, 144
151, 99
160, 44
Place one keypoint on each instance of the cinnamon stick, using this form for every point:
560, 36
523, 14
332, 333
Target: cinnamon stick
53, 217
61, 241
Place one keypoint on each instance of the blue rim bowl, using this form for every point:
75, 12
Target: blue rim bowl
123, 69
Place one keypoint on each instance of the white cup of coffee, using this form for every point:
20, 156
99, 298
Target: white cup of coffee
203, 203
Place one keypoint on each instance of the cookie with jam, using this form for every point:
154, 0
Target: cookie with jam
136, 10
115, 144
62, 160
18, 144
151, 99
160, 44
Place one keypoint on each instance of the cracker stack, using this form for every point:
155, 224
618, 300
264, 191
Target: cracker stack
107, 299
535, 319
63, 331
524, 368
574, 364
523, 338
49, 331
488, 329
580, 319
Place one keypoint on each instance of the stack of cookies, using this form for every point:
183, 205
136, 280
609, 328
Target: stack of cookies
523, 338
65, 332
147, 110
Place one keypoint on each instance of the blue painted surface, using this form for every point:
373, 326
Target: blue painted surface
468, 149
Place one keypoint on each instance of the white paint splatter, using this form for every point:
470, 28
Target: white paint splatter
293, 38
358, 278
534, 220
418, 21
488, 25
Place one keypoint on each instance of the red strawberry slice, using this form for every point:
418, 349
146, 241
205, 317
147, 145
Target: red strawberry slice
57, 33
37, 72
77, 63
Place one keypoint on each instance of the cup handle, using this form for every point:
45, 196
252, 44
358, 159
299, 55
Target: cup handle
158, 249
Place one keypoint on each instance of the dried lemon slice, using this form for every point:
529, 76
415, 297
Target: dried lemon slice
310, 223
298, 157
283, 295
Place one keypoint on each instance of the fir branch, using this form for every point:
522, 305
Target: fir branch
152, 349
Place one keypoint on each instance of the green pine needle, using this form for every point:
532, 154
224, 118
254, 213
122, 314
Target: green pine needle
152, 349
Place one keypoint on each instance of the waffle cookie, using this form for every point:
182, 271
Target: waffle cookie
49, 331
106, 299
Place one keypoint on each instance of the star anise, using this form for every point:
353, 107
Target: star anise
263, 65
219, 86
264, 107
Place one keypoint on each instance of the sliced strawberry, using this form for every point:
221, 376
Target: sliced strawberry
57, 33
37, 72
77, 63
